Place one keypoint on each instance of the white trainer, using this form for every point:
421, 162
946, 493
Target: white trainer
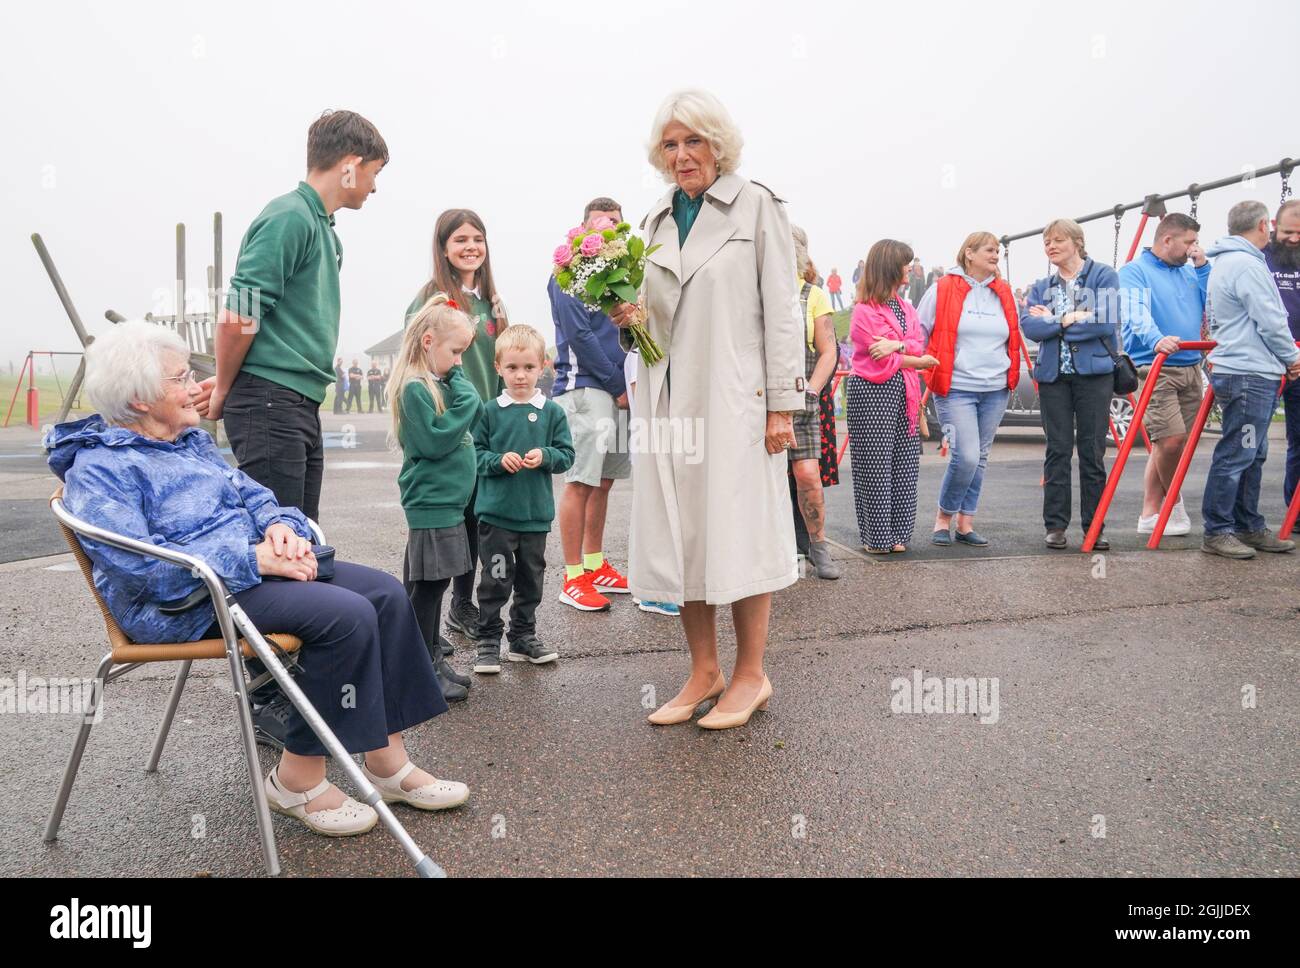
1147, 524
1179, 523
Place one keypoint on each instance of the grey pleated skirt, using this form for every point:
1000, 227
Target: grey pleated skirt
433, 554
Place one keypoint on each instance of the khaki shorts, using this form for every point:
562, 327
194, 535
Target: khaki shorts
599, 431
1174, 402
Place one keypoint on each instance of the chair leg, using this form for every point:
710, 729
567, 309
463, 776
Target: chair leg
263, 812
168, 715
78, 748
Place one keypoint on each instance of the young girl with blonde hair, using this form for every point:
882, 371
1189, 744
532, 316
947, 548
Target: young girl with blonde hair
435, 408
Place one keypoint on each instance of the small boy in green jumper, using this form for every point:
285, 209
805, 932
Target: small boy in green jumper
521, 439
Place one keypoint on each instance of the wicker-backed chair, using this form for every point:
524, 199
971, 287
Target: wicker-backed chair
125, 655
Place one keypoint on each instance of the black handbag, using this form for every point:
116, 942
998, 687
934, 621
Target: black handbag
1126, 372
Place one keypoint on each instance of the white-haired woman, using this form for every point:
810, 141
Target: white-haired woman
141, 467
711, 518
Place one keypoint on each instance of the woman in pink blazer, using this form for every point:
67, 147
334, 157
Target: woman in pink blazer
884, 400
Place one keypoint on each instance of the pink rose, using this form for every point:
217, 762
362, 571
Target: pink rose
592, 244
575, 232
563, 255
602, 223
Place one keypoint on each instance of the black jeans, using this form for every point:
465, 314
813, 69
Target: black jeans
276, 436
1076, 412
513, 561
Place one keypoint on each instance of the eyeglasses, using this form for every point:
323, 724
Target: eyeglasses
183, 379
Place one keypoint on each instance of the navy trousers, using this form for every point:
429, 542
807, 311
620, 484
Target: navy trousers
364, 664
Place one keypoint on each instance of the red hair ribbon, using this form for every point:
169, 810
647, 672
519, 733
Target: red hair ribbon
453, 304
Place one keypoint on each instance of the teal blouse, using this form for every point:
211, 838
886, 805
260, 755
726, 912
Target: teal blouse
685, 209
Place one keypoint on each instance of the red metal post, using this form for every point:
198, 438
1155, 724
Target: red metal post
1125, 448
1137, 239
1184, 462
1292, 513
1142, 427
17, 386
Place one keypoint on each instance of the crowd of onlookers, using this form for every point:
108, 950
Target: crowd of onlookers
956, 335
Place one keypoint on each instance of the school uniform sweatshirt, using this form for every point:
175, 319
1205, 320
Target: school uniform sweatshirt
521, 501
438, 465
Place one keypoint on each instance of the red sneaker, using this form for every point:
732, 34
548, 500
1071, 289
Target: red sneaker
579, 593
607, 579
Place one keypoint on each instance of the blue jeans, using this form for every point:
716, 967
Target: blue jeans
1291, 399
1231, 502
970, 419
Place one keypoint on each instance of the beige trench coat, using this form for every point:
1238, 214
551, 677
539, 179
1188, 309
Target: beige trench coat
711, 514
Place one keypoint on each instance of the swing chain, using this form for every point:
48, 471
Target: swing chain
1286, 184
1006, 257
1195, 192
1119, 219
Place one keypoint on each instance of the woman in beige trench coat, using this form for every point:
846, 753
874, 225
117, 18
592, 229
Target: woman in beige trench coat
711, 516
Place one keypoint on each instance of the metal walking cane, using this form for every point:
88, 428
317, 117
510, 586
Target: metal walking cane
423, 864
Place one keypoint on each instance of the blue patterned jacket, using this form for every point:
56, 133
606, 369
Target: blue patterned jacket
180, 495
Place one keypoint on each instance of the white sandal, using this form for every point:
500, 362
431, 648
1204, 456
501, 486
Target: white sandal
438, 795
347, 820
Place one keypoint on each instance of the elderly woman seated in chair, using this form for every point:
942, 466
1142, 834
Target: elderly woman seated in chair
142, 468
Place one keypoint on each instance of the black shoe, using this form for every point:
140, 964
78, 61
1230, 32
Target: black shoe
445, 671
1101, 544
463, 618
489, 658
1056, 540
271, 721
451, 691
530, 649
447, 647
972, 538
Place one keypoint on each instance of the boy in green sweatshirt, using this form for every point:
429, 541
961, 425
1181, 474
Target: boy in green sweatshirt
521, 439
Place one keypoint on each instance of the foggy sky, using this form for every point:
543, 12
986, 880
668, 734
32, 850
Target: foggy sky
914, 121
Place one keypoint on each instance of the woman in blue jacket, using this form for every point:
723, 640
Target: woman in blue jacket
1071, 316
141, 467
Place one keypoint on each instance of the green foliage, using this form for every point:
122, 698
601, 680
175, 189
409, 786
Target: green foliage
635, 247
624, 291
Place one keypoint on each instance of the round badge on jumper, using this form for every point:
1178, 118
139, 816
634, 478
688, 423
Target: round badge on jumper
532, 418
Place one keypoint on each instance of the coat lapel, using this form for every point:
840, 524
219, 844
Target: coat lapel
661, 230
712, 228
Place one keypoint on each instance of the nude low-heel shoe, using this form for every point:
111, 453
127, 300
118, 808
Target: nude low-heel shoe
718, 720
669, 715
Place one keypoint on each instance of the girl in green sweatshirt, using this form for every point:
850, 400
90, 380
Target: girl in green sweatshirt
434, 411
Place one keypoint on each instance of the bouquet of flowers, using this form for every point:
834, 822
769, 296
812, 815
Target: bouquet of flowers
604, 266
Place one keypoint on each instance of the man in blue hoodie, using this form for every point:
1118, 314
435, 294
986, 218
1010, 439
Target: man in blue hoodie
1256, 349
1162, 304
590, 388
1282, 256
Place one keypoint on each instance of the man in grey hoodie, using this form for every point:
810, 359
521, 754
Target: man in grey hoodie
1256, 349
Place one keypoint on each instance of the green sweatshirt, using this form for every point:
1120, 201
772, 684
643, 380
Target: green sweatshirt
287, 279
438, 466
521, 501
480, 359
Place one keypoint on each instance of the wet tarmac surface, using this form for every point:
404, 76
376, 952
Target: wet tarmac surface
1150, 696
